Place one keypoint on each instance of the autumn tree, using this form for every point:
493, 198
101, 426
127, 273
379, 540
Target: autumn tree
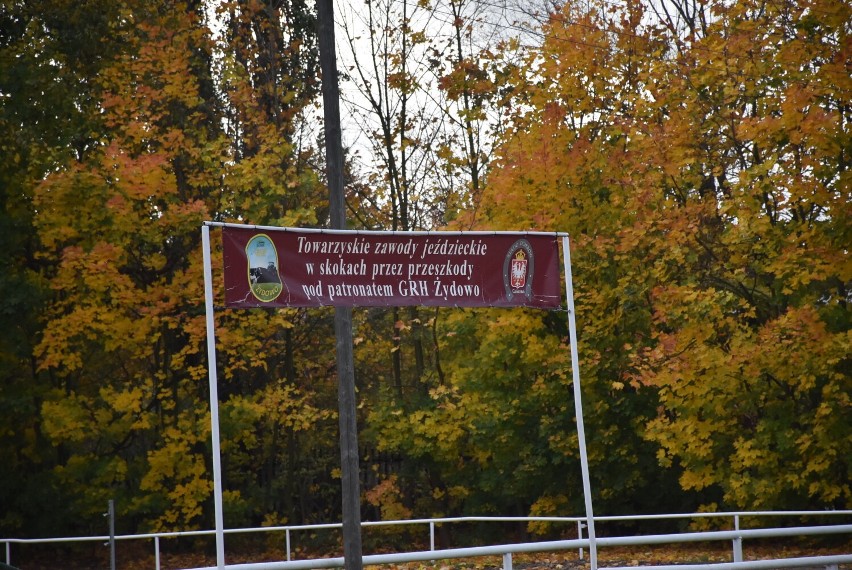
696, 152
384, 59
278, 364
268, 76
46, 119
570, 104
420, 107
751, 324
185, 134
704, 188
121, 345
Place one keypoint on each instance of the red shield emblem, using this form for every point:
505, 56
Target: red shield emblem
518, 278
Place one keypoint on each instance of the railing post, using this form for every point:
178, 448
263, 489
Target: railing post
738, 542
288, 544
507, 561
111, 515
432, 539
157, 552
8, 553
580, 526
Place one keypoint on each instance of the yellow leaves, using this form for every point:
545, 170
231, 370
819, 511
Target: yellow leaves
67, 418
117, 214
293, 408
708, 209
458, 491
547, 506
126, 404
697, 479
731, 429
746, 454
70, 207
274, 519
186, 499
179, 474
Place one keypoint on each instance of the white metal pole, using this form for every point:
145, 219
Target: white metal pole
578, 405
738, 542
214, 399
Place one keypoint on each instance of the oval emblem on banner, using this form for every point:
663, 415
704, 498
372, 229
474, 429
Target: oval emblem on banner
518, 269
263, 276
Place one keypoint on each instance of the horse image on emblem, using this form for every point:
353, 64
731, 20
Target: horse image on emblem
263, 276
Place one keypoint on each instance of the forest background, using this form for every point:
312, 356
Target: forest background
697, 151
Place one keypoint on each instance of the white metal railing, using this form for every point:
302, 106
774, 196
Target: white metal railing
736, 536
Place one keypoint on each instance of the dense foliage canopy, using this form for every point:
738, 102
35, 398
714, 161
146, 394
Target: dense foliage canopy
698, 154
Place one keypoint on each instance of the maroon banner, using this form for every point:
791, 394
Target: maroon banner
271, 267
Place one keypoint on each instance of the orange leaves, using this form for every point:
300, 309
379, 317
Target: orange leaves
707, 209
388, 497
157, 70
467, 77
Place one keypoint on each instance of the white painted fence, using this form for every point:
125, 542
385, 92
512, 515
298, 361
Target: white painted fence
735, 536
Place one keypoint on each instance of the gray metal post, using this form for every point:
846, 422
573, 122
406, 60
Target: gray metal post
507, 561
111, 515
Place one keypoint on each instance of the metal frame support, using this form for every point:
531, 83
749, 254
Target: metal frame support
578, 405
214, 398
738, 542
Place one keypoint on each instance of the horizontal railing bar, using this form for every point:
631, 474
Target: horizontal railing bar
544, 546
723, 515
177, 534
752, 564
711, 536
